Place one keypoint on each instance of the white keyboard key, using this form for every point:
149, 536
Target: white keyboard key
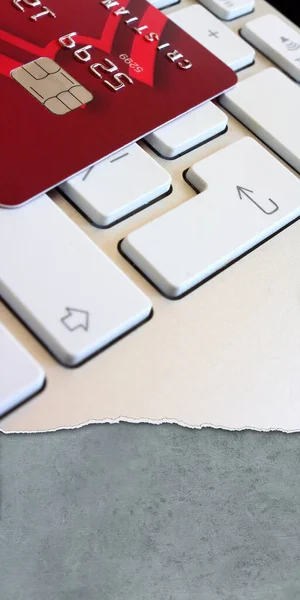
72, 296
268, 103
248, 196
277, 40
20, 375
163, 3
229, 9
117, 186
215, 36
190, 130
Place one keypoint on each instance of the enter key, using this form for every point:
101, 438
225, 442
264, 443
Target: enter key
247, 196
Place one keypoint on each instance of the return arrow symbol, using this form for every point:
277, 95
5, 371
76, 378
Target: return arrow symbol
245, 192
76, 319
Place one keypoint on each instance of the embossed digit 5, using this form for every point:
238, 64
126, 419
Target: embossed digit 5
110, 67
118, 78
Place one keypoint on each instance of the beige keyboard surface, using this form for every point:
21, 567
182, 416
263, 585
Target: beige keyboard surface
200, 279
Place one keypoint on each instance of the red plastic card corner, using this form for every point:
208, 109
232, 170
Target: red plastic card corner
124, 62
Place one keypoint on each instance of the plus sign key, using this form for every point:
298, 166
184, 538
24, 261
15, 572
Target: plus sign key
215, 36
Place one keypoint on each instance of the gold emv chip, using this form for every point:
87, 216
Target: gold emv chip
52, 86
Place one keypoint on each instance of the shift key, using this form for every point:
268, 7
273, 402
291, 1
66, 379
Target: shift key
65, 289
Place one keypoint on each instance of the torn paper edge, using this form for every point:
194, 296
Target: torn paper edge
163, 421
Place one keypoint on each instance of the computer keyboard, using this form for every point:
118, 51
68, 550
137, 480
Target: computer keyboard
106, 254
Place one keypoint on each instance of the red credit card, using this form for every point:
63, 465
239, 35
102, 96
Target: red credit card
81, 80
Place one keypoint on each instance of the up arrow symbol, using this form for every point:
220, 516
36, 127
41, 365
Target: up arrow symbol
76, 319
244, 192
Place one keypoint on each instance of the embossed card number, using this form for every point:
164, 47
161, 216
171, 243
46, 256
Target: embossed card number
83, 55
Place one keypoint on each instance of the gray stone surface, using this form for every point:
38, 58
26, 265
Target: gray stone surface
139, 512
